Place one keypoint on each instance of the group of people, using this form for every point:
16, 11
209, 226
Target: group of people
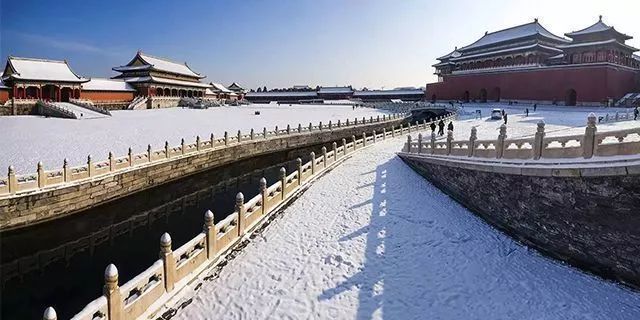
441, 127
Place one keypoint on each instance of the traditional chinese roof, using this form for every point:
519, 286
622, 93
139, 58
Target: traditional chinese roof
102, 84
597, 27
311, 94
40, 70
452, 54
2, 86
144, 61
335, 90
395, 92
507, 50
216, 87
167, 81
235, 87
598, 43
513, 33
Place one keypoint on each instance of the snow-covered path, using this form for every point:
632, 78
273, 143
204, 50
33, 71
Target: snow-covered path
372, 239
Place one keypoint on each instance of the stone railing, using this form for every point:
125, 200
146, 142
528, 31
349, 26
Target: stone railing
587, 145
137, 102
149, 291
616, 117
88, 105
14, 184
51, 110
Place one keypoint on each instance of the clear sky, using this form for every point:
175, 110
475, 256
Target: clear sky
280, 43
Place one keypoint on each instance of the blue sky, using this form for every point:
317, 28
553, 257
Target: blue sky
377, 44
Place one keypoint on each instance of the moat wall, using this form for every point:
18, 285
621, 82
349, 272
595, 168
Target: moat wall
585, 216
49, 203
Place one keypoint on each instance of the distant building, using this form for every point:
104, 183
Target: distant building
154, 76
529, 63
101, 90
335, 93
222, 92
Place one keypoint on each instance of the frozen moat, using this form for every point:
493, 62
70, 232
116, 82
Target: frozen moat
29, 139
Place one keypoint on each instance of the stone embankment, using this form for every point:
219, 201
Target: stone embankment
576, 197
49, 194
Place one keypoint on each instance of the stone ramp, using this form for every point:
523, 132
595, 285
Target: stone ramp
80, 112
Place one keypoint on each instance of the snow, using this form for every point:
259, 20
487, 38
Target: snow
596, 27
220, 87
168, 81
169, 66
80, 112
102, 84
372, 239
388, 92
282, 94
512, 33
29, 139
40, 69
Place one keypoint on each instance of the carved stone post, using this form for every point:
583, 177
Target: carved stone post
320, 125
449, 141
209, 229
150, 154
433, 142
226, 138
12, 181
355, 121
324, 156
344, 146
283, 181
288, 129
90, 166
299, 166
371, 119
299, 128
197, 143
393, 131
378, 118
374, 136
419, 143
338, 123
239, 138
500, 143
409, 143
111, 291
264, 195
183, 147
50, 314
167, 152
538, 141
353, 139
240, 209
66, 172
130, 155
264, 132
212, 141
334, 145
364, 139
252, 134
111, 161
347, 121
276, 131
472, 141
384, 134
310, 126
589, 143
168, 261
330, 125
313, 162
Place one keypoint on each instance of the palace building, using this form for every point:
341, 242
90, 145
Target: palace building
528, 63
153, 76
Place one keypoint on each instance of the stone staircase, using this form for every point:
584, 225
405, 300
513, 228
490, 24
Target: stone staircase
138, 103
78, 111
629, 100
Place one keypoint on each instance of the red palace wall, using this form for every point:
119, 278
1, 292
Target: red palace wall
107, 95
591, 83
4, 95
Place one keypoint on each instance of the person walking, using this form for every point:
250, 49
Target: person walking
535, 106
505, 118
433, 127
636, 112
526, 111
441, 128
450, 126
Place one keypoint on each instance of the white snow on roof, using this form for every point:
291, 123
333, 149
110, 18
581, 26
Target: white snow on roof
168, 66
637, 57
335, 90
387, 92
102, 84
516, 32
167, 81
283, 94
506, 50
596, 27
595, 43
219, 87
208, 92
41, 69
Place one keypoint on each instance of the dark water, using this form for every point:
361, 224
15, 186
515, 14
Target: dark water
61, 263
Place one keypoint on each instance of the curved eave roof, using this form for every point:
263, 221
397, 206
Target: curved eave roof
34, 69
158, 64
102, 84
513, 33
597, 27
597, 43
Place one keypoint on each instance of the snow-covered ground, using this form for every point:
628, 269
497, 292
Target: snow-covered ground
29, 139
372, 239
